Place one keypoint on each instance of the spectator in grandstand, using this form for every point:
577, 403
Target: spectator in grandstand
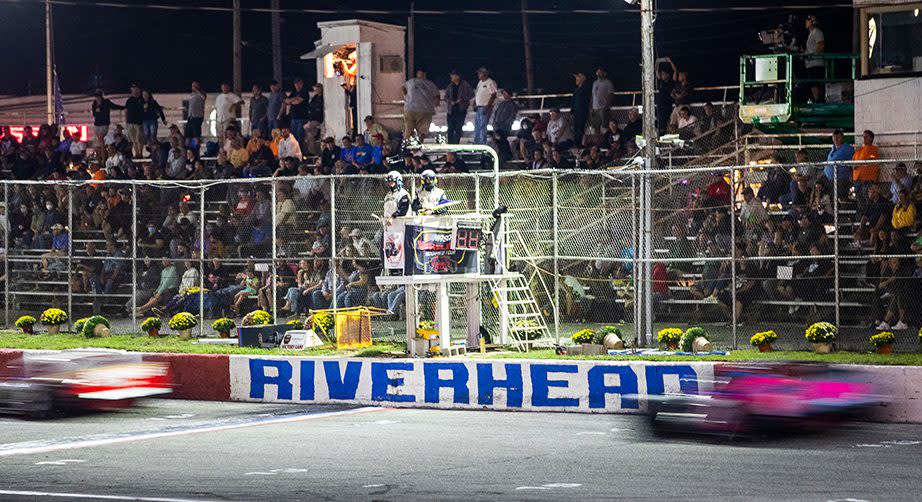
840, 151
484, 99
102, 108
591, 158
524, 141
902, 180
287, 144
747, 287
373, 129
154, 243
195, 115
890, 299
538, 161
85, 270
53, 261
250, 286
458, 96
134, 119
500, 143
777, 183
681, 95
362, 156
816, 68
347, 152
151, 111
632, 129
752, 213
51, 218
110, 273
506, 112
294, 294
560, 130
614, 141
421, 96
274, 106
239, 156
558, 161
663, 101
259, 111
718, 191
602, 94
714, 276
314, 125
874, 215
225, 105
167, 286
865, 174
711, 119
580, 105
355, 289
687, 124
453, 164
277, 286
904, 213
322, 298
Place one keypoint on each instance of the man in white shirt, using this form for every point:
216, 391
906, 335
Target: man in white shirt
225, 105
484, 97
288, 145
816, 68
560, 130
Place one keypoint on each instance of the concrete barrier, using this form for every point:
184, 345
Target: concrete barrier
494, 384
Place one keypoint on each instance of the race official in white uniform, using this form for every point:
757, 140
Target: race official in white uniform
397, 200
429, 196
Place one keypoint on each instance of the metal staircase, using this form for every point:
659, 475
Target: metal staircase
519, 311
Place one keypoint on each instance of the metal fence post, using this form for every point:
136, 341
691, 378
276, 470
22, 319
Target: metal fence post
333, 240
134, 255
70, 256
733, 256
835, 242
272, 269
556, 304
638, 331
201, 259
6, 259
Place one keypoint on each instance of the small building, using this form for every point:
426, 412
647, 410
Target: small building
888, 87
361, 67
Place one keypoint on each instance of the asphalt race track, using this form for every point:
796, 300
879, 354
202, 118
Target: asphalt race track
184, 450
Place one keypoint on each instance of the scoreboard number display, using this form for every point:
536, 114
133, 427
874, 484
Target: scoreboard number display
467, 237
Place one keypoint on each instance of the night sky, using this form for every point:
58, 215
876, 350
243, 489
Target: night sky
164, 50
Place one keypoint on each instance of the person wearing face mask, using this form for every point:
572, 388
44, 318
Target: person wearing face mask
153, 243
429, 197
52, 218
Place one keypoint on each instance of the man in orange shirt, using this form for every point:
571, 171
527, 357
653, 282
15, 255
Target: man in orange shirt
865, 174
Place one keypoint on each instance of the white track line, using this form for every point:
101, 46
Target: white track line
192, 430
23, 493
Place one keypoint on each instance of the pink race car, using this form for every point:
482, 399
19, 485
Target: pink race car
762, 398
41, 384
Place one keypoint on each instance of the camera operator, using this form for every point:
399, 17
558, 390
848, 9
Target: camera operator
816, 68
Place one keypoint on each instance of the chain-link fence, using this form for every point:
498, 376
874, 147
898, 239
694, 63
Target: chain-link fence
736, 249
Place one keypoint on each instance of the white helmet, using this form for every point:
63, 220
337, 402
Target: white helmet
427, 178
395, 178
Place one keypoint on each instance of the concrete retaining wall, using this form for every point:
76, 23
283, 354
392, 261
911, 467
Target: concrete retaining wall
493, 384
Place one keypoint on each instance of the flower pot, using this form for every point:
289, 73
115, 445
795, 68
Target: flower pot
593, 349
822, 348
185, 334
153, 333
886, 348
672, 345
28, 330
224, 334
101, 331
701, 344
613, 342
765, 347
54, 330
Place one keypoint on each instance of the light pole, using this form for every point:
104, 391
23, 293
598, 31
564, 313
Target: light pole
48, 65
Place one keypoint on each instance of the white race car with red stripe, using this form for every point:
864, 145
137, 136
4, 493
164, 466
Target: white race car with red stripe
41, 383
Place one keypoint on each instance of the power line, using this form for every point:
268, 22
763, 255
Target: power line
429, 12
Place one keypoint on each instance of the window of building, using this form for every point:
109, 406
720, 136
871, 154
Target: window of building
891, 40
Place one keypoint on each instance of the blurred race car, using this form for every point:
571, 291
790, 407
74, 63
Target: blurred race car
39, 385
749, 399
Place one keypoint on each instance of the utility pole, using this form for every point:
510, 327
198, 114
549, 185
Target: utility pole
526, 39
49, 65
644, 283
276, 42
238, 71
411, 35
